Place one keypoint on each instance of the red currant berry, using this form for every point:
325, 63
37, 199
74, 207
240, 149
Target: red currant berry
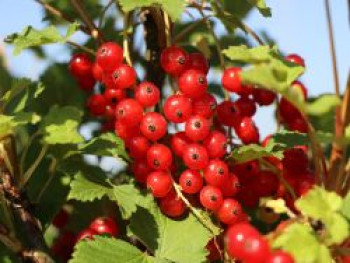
177, 108
171, 205
86, 83
191, 181
178, 143
195, 156
198, 62
246, 106
298, 85
197, 128
298, 124
63, 246
296, 59
304, 184
216, 173
247, 131
174, 60
124, 76
160, 183
267, 183
264, 97
86, 234
113, 96
211, 197
80, 65
129, 111
105, 225
231, 80
216, 144
140, 170
228, 113
231, 187
125, 131
230, 211
280, 257
193, 83
204, 106
138, 147
214, 253
295, 160
109, 56
97, 72
147, 94
61, 219
153, 126
159, 157
97, 104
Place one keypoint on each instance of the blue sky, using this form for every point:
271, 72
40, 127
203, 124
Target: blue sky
298, 26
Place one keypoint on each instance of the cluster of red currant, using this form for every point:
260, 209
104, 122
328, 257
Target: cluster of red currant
192, 158
64, 244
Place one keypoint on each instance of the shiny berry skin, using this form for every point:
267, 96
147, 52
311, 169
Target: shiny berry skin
193, 83
147, 94
295, 160
195, 156
160, 183
125, 131
178, 143
230, 211
264, 97
231, 80
211, 197
228, 113
97, 104
296, 59
153, 126
177, 108
61, 219
140, 170
105, 225
159, 157
124, 76
80, 65
109, 56
97, 72
174, 60
197, 128
279, 257
138, 147
86, 234
191, 181
216, 144
231, 187
129, 111
246, 106
247, 131
216, 173
198, 62
204, 106
171, 205
113, 96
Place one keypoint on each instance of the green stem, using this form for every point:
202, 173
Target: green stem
83, 48
52, 169
126, 47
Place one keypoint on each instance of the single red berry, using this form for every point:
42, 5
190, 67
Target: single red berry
153, 126
295, 160
304, 184
231, 187
246, 106
86, 234
174, 60
110, 112
63, 246
191, 181
288, 111
80, 65
108, 125
195, 156
296, 59
247, 131
129, 111
216, 144
138, 147
159, 157
214, 252
171, 205
140, 170
113, 96
61, 219
124, 76
204, 106
231, 80
177, 108
109, 56
86, 83
280, 257
247, 169
197, 128
216, 173
299, 85
211, 197
193, 83
160, 183
105, 225
267, 183
147, 94
228, 113
298, 124
97, 104
264, 97
125, 131
178, 143
198, 62
97, 72
230, 211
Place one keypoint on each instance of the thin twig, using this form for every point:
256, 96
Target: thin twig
126, 46
83, 48
26, 149
103, 13
52, 170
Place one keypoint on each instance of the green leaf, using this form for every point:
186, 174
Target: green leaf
345, 210
294, 239
248, 55
60, 125
323, 104
107, 144
289, 139
109, 250
325, 206
166, 237
253, 151
31, 37
261, 5
173, 7
9, 123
